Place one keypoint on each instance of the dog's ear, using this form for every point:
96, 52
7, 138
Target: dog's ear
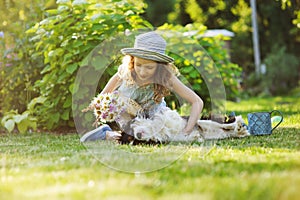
229, 119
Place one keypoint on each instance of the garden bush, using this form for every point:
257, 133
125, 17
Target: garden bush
282, 71
281, 74
71, 38
64, 39
204, 63
17, 71
41, 67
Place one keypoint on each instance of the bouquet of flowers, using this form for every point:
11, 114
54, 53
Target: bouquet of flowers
107, 107
112, 107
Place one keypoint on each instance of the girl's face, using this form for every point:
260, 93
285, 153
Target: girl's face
145, 69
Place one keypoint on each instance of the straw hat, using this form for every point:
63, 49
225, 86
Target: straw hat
150, 46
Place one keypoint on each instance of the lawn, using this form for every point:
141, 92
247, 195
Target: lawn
48, 166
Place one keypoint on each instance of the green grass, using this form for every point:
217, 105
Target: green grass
48, 166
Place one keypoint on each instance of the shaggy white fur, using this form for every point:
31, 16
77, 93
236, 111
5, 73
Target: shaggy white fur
167, 125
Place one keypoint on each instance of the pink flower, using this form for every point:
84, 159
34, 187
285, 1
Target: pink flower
112, 108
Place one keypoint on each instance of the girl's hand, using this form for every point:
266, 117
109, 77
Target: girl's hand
186, 131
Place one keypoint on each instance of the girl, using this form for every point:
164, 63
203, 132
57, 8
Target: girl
147, 75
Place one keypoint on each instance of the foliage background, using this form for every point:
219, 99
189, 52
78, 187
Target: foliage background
44, 45
278, 25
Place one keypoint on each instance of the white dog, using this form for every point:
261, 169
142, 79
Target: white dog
167, 126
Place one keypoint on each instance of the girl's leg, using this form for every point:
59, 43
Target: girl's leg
96, 134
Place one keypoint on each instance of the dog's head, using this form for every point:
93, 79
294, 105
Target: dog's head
143, 128
158, 128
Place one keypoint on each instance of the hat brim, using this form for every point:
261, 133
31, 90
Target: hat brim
149, 55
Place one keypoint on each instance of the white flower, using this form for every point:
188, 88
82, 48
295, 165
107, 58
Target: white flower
79, 2
96, 16
45, 21
98, 5
62, 1
107, 107
62, 8
41, 31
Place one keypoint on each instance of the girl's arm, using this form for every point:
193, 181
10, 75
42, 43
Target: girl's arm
113, 83
190, 96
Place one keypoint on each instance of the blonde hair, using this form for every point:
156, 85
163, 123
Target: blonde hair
163, 74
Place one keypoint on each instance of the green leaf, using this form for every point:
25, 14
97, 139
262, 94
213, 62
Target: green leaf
32, 29
96, 27
23, 125
46, 69
77, 43
194, 74
6, 118
55, 117
52, 11
33, 125
65, 115
18, 118
64, 43
73, 88
9, 125
197, 87
35, 101
67, 58
68, 102
72, 68
100, 62
62, 77
187, 69
27, 123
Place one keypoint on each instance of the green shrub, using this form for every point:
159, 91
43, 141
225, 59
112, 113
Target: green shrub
17, 71
282, 71
19, 122
71, 39
18, 75
64, 39
204, 63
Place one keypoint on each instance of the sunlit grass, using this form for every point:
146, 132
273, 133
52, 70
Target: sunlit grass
289, 106
47, 166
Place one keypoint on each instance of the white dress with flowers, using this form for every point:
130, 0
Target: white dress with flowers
143, 95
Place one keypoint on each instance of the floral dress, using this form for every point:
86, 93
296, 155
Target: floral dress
143, 95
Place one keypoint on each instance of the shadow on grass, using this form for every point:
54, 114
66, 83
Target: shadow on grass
230, 168
276, 153
283, 138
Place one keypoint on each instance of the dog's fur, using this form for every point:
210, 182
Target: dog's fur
167, 126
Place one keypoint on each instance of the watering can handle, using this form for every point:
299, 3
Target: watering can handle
280, 113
